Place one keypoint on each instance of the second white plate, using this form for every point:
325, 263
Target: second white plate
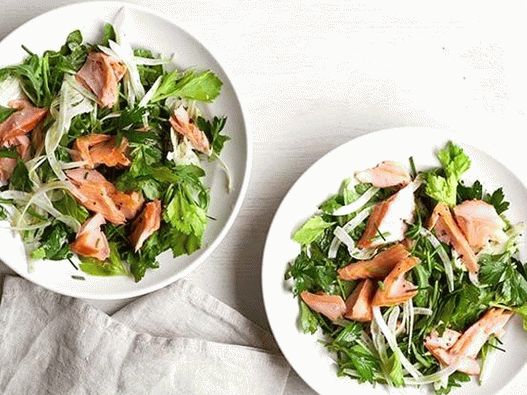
307, 356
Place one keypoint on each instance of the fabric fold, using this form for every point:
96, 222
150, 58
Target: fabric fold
55, 344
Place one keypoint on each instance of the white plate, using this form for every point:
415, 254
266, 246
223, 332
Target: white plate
307, 356
158, 33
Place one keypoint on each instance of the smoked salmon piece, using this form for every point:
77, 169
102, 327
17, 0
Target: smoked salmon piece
128, 203
465, 347
184, 125
492, 323
439, 347
101, 74
358, 304
385, 174
378, 267
332, 306
96, 149
99, 195
389, 218
91, 241
146, 224
396, 289
479, 222
447, 230
21, 122
7, 165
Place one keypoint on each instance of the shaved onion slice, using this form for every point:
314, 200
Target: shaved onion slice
150, 94
348, 227
392, 342
423, 311
357, 204
150, 61
345, 238
447, 263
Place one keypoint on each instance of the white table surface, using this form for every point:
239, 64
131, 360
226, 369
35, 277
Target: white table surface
313, 74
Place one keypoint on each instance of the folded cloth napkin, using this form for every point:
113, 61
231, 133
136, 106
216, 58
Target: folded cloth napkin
178, 340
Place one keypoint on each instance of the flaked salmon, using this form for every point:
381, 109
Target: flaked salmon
21, 122
99, 195
359, 303
378, 267
331, 306
146, 224
101, 74
464, 348
385, 174
96, 149
91, 241
491, 323
447, 230
185, 126
479, 222
395, 288
389, 219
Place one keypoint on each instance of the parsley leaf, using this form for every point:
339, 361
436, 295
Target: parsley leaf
55, 243
20, 177
497, 199
213, 132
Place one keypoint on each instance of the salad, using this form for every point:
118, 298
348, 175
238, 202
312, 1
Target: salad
412, 276
102, 153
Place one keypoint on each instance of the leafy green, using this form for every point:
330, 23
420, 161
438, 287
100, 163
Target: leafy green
67, 205
455, 163
20, 177
500, 272
114, 266
311, 230
454, 381
8, 152
497, 199
5, 112
108, 34
185, 215
213, 132
203, 86
308, 319
55, 243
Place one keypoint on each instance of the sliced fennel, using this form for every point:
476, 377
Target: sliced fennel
347, 228
356, 205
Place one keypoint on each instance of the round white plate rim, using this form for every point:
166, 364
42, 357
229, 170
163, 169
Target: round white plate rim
447, 134
207, 251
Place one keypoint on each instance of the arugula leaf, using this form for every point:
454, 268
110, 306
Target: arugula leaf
213, 132
20, 177
308, 319
455, 163
55, 243
311, 230
5, 112
114, 266
203, 86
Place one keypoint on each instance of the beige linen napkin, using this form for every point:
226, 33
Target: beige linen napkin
178, 340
